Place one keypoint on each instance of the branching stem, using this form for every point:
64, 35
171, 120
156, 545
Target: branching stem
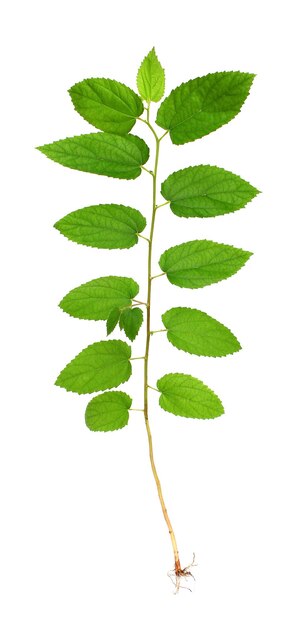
153, 388
157, 275
163, 204
136, 302
147, 347
142, 237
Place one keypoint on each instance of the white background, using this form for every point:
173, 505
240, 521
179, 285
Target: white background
83, 538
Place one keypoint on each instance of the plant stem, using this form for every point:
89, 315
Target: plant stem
163, 204
154, 388
147, 347
157, 276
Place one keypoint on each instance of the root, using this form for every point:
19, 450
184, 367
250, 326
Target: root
178, 573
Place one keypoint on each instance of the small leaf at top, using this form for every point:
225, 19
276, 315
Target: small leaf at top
96, 299
183, 395
200, 106
109, 411
199, 263
130, 321
106, 104
197, 333
103, 226
112, 320
206, 191
100, 153
151, 78
100, 366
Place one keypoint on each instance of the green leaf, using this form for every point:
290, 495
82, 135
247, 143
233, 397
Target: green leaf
100, 153
130, 321
96, 299
109, 411
200, 106
106, 104
181, 394
206, 191
100, 366
103, 226
151, 78
198, 263
112, 320
197, 333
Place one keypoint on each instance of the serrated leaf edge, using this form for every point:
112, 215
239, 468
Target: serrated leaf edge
123, 328
222, 169
82, 285
188, 81
87, 245
40, 148
163, 70
207, 356
205, 386
85, 393
79, 82
215, 281
123, 393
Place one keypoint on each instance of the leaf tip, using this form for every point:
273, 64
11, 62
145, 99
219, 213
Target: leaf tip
57, 225
58, 382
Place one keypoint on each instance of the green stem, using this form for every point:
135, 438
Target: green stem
139, 302
154, 388
157, 276
163, 204
143, 237
147, 347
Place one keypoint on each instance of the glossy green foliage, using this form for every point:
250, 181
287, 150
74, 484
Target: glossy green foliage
191, 111
197, 333
181, 394
130, 321
206, 191
200, 106
100, 366
107, 104
103, 226
96, 299
100, 153
109, 411
199, 263
151, 78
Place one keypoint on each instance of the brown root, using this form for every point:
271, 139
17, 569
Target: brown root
178, 573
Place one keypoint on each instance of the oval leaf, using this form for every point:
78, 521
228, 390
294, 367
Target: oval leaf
100, 366
112, 320
106, 104
206, 191
130, 321
109, 411
103, 226
100, 153
151, 78
197, 333
96, 299
183, 395
200, 106
198, 263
